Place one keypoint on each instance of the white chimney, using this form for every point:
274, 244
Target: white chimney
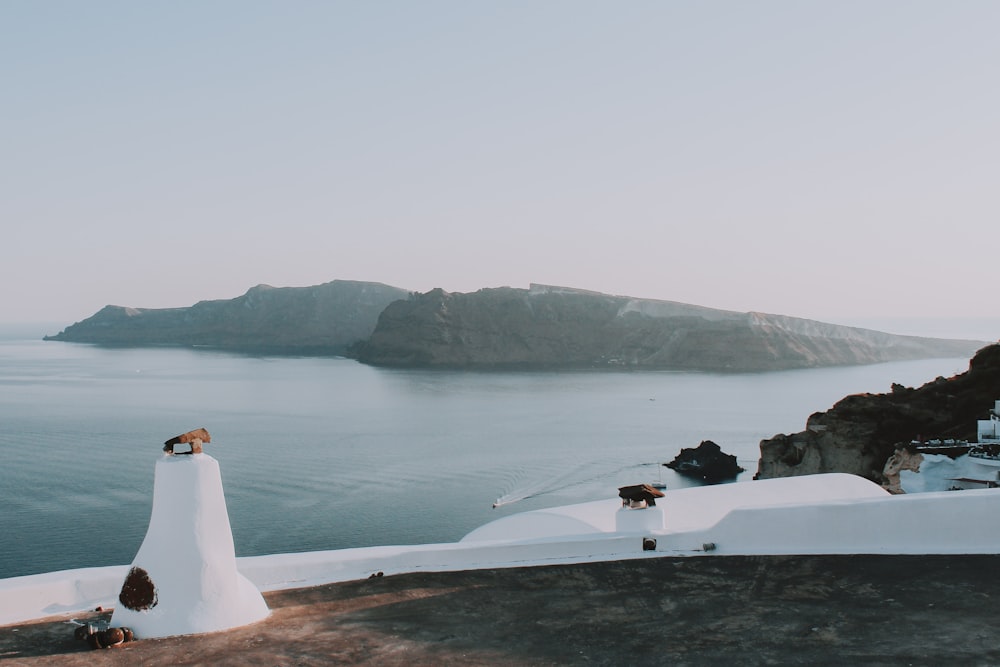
184, 579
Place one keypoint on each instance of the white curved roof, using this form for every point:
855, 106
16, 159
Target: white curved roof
684, 510
593, 517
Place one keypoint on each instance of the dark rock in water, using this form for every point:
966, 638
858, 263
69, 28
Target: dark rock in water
707, 461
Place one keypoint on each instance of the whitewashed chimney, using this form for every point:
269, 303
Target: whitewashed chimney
183, 579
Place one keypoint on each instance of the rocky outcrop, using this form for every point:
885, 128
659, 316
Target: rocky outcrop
902, 459
323, 319
860, 432
706, 462
560, 327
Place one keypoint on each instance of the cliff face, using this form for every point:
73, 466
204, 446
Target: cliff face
559, 327
859, 433
322, 319
544, 327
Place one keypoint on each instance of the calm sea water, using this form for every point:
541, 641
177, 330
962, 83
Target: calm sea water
325, 453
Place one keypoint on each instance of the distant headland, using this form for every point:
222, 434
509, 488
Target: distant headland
543, 327
322, 319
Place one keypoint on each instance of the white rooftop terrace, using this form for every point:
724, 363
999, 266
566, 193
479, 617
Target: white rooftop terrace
818, 514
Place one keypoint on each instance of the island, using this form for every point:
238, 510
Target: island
504, 328
322, 319
559, 327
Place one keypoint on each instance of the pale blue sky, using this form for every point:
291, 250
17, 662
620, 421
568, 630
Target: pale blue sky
828, 160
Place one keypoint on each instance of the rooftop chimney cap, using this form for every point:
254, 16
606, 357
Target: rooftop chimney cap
194, 438
640, 492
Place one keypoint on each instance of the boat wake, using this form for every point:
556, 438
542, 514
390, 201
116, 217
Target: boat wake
575, 477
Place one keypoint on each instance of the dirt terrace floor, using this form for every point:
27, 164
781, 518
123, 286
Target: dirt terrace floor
802, 610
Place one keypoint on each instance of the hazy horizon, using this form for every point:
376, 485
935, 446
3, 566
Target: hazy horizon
830, 161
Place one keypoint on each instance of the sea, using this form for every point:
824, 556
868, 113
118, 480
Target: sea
324, 453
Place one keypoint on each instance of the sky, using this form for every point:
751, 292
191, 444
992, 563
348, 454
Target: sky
827, 160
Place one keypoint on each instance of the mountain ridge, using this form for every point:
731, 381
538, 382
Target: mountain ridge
558, 327
319, 319
543, 327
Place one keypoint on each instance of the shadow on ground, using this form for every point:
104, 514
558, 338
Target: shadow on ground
875, 610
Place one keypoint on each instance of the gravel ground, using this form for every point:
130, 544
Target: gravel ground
790, 610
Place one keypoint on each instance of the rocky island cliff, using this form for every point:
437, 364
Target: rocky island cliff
566, 328
503, 328
860, 432
322, 319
